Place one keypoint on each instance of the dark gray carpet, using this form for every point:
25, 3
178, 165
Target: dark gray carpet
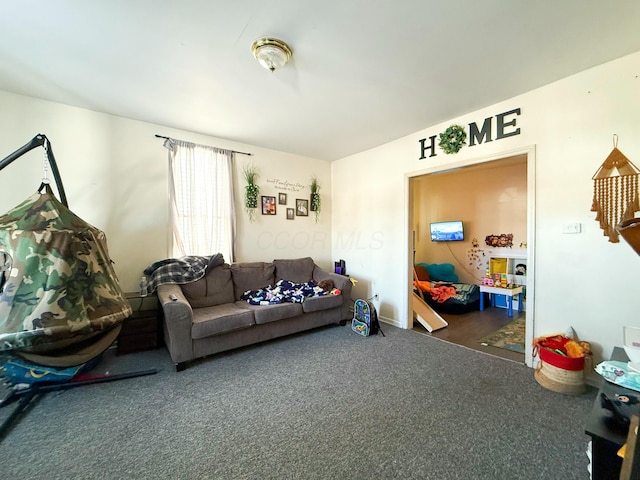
323, 404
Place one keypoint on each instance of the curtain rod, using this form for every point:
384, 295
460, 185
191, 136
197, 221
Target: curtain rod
234, 151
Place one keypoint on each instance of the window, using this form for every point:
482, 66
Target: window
201, 196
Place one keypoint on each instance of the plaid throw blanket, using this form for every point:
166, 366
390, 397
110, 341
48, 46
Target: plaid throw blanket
180, 270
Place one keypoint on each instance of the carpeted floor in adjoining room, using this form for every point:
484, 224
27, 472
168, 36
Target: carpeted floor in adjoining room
322, 404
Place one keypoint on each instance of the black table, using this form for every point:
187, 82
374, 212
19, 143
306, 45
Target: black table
143, 329
606, 436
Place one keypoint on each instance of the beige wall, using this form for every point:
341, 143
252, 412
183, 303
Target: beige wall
581, 280
489, 200
114, 173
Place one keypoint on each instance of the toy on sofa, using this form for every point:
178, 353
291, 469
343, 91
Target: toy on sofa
326, 285
329, 287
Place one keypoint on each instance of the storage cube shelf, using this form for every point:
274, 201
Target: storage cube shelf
511, 263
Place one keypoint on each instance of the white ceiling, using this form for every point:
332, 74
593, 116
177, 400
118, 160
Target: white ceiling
363, 73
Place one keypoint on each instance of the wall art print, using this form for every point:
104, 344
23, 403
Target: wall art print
302, 207
268, 205
502, 240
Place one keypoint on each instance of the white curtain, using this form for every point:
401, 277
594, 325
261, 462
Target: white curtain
201, 196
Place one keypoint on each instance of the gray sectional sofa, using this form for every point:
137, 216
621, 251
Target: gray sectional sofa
208, 316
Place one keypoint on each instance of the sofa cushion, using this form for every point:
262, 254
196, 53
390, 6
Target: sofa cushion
214, 288
297, 270
208, 321
273, 313
314, 304
251, 276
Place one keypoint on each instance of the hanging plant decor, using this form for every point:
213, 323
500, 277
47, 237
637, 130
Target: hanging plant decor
315, 197
452, 139
251, 191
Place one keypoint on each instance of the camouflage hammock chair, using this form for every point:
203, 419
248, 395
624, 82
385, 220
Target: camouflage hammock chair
60, 300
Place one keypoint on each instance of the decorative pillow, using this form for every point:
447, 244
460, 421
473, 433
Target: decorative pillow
440, 272
251, 276
214, 288
297, 270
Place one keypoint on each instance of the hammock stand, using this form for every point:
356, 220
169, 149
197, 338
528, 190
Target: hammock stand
22, 393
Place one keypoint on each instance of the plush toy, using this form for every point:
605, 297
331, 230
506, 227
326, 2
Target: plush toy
326, 285
586, 347
576, 349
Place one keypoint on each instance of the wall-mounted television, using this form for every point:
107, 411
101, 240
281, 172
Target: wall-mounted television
451, 231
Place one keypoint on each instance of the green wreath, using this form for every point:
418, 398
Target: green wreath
452, 139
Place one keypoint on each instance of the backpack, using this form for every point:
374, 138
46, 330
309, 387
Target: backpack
365, 319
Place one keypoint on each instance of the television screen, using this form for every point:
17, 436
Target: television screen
447, 231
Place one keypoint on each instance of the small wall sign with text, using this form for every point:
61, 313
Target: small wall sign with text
505, 126
285, 185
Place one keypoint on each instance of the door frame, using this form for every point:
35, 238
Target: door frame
530, 153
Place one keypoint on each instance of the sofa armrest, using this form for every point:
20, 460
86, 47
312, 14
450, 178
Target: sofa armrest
340, 281
178, 318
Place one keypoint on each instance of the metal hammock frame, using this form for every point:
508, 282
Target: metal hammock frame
39, 140
19, 394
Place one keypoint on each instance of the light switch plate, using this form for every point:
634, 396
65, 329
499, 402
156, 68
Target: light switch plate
572, 228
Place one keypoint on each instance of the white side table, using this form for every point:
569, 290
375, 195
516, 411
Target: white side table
508, 292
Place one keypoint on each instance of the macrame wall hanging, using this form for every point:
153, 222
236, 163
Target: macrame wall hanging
615, 192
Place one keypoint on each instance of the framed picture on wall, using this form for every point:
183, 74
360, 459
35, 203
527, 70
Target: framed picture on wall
268, 205
290, 213
282, 198
302, 207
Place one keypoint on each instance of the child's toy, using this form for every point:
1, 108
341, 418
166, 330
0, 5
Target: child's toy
326, 285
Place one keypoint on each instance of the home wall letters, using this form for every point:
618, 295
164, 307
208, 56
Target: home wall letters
505, 127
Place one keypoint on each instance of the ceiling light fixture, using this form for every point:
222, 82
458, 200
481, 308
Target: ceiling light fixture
271, 52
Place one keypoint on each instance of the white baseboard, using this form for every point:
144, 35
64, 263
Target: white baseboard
389, 321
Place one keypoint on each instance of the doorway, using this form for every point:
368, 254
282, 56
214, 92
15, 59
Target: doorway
492, 196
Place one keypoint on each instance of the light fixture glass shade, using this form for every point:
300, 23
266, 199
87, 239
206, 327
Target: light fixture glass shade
271, 52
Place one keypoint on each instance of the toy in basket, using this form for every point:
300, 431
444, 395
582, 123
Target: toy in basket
365, 319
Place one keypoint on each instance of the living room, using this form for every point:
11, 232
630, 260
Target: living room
116, 177
115, 173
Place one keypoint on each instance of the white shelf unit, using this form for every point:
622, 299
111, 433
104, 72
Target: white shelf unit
511, 262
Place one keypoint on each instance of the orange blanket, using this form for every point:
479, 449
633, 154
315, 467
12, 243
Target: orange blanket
439, 293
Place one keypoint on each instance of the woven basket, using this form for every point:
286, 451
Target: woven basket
559, 373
